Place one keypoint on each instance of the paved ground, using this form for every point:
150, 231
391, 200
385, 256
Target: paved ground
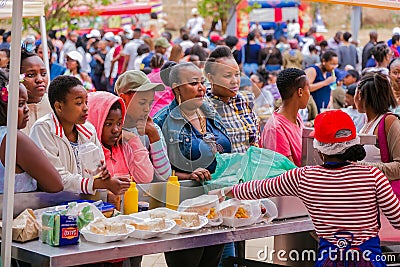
252, 247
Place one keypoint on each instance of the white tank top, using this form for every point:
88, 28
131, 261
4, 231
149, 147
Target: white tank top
373, 152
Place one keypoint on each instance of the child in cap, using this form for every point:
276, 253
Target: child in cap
343, 199
138, 94
125, 155
61, 133
283, 131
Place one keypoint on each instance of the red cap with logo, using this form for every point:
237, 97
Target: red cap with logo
334, 126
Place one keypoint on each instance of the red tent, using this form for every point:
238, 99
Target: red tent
112, 10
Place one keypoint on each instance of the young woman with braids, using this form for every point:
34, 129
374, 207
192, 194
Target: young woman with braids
36, 80
32, 170
374, 97
382, 55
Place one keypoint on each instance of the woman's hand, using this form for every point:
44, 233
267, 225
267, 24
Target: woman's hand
118, 185
330, 79
200, 174
103, 172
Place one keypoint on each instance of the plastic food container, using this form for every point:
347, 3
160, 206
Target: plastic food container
145, 234
98, 238
203, 205
145, 215
271, 211
229, 208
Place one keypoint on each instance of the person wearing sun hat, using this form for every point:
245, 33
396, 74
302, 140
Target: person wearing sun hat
343, 198
73, 63
137, 91
196, 23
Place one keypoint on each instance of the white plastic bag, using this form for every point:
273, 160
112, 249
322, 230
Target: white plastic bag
229, 208
90, 156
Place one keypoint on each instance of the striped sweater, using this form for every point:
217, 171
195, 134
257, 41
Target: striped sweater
341, 199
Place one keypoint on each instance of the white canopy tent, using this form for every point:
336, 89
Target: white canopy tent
385, 4
16, 10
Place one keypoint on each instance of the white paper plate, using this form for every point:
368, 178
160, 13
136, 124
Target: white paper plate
179, 230
97, 238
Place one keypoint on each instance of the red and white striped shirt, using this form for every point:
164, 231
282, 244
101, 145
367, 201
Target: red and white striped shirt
340, 199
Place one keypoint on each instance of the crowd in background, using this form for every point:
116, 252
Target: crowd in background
153, 104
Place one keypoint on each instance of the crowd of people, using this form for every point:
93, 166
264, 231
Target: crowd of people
153, 105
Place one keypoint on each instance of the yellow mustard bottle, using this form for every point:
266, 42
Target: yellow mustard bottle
131, 198
173, 192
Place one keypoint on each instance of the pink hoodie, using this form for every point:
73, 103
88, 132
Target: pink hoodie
126, 157
161, 99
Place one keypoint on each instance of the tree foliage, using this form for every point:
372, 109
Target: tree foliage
57, 13
221, 10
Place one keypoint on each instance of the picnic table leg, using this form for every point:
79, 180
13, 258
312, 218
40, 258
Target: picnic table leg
241, 250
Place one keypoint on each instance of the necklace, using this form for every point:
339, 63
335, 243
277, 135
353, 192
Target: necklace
202, 123
369, 124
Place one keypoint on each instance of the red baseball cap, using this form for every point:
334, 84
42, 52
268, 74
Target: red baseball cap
334, 126
215, 37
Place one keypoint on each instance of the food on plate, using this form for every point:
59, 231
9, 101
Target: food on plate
212, 214
104, 227
241, 213
201, 210
183, 219
153, 225
155, 214
189, 219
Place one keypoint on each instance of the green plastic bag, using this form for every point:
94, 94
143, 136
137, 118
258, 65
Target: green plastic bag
255, 164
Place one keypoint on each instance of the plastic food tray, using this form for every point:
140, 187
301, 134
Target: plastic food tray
144, 234
97, 238
145, 215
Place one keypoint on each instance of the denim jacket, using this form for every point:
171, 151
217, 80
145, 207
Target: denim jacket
178, 135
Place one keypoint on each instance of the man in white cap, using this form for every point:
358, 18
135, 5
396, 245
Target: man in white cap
196, 23
110, 75
130, 50
70, 45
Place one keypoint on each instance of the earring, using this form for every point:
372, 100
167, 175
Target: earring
179, 99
